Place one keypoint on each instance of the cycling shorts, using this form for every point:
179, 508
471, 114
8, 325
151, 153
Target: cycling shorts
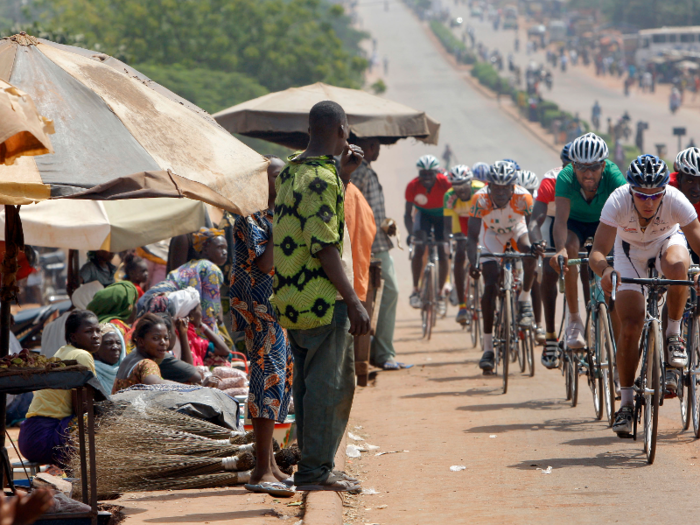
583, 230
631, 261
493, 242
429, 223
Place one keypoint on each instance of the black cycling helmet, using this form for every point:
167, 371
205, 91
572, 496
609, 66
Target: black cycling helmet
565, 158
648, 171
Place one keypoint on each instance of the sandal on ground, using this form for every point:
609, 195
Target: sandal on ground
278, 489
333, 483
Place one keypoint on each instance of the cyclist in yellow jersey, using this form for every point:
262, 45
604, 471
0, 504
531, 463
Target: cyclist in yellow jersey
456, 213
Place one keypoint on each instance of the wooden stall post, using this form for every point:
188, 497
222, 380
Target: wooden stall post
363, 342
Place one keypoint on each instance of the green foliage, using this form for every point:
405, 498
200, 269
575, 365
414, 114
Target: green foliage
645, 13
378, 87
451, 43
210, 90
487, 76
549, 116
280, 43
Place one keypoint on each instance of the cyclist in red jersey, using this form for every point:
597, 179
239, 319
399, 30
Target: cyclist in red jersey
426, 193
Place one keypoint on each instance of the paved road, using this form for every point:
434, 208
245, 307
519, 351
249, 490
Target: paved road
445, 413
577, 90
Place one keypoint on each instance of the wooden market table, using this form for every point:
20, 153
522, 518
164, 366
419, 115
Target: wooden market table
87, 386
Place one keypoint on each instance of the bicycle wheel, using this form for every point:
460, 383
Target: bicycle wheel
683, 390
651, 390
514, 331
607, 362
435, 297
593, 359
565, 371
531, 353
694, 386
427, 297
522, 348
473, 307
506, 336
573, 376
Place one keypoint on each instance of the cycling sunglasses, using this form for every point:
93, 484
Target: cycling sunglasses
648, 196
588, 167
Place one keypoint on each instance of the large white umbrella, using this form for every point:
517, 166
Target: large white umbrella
107, 225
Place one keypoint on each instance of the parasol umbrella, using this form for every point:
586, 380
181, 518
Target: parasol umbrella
108, 225
121, 135
283, 117
22, 130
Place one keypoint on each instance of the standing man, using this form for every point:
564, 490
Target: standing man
581, 191
313, 293
382, 353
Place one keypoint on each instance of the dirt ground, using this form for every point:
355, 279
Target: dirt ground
444, 412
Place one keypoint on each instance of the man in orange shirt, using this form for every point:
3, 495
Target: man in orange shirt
359, 220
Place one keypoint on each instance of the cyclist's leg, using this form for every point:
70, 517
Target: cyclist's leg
489, 272
420, 231
574, 331
525, 313
460, 272
674, 262
438, 228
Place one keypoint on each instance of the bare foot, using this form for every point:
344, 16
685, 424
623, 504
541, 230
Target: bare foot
257, 477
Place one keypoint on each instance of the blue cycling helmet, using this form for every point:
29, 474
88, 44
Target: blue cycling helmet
517, 166
648, 171
565, 158
481, 171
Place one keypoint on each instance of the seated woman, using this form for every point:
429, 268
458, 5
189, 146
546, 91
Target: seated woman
98, 268
180, 370
116, 304
136, 271
110, 355
203, 274
210, 350
43, 434
152, 339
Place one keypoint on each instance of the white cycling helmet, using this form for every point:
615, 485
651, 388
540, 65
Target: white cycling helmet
428, 162
527, 180
502, 173
688, 162
588, 149
481, 171
459, 175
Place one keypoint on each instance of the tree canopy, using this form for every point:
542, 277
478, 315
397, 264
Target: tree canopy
644, 14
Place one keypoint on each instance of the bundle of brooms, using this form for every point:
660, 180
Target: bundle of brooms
144, 448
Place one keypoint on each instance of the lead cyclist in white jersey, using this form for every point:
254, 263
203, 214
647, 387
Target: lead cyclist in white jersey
645, 219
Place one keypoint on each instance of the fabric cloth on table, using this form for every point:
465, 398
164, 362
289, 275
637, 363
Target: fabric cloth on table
206, 278
138, 369
367, 181
309, 216
42, 439
105, 372
116, 301
324, 386
359, 220
58, 404
184, 301
266, 341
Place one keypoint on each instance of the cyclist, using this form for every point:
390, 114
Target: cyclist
499, 210
542, 220
426, 193
456, 212
529, 181
481, 171
581, 191
644, 220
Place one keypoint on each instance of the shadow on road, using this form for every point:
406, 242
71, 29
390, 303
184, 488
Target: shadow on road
470, 392
459, 378
532, 404
557, 425
604, 460
433, 351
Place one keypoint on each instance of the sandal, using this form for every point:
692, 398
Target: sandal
333, 483
273, 488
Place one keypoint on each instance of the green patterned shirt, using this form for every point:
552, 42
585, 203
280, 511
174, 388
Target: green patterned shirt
309, 215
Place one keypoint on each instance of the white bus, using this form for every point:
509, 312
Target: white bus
655, 42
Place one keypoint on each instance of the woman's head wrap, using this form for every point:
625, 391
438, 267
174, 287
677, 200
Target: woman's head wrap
184, 301
203, 236
117, 301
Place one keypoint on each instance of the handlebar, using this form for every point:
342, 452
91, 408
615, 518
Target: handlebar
656, 282
513, 255
576, 262
614, 291
562, 286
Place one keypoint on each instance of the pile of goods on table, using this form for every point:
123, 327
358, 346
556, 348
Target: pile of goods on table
232, 381
28, 360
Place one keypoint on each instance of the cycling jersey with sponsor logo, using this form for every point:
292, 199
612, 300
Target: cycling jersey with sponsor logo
501, 220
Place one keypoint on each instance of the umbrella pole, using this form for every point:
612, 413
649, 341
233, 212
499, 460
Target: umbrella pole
14, 241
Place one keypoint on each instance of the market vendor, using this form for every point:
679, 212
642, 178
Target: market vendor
152, 338
43, 434
116, 304
98, 268
136, 271
110, 355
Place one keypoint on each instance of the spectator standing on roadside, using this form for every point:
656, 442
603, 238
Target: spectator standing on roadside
320, 310
382, 353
